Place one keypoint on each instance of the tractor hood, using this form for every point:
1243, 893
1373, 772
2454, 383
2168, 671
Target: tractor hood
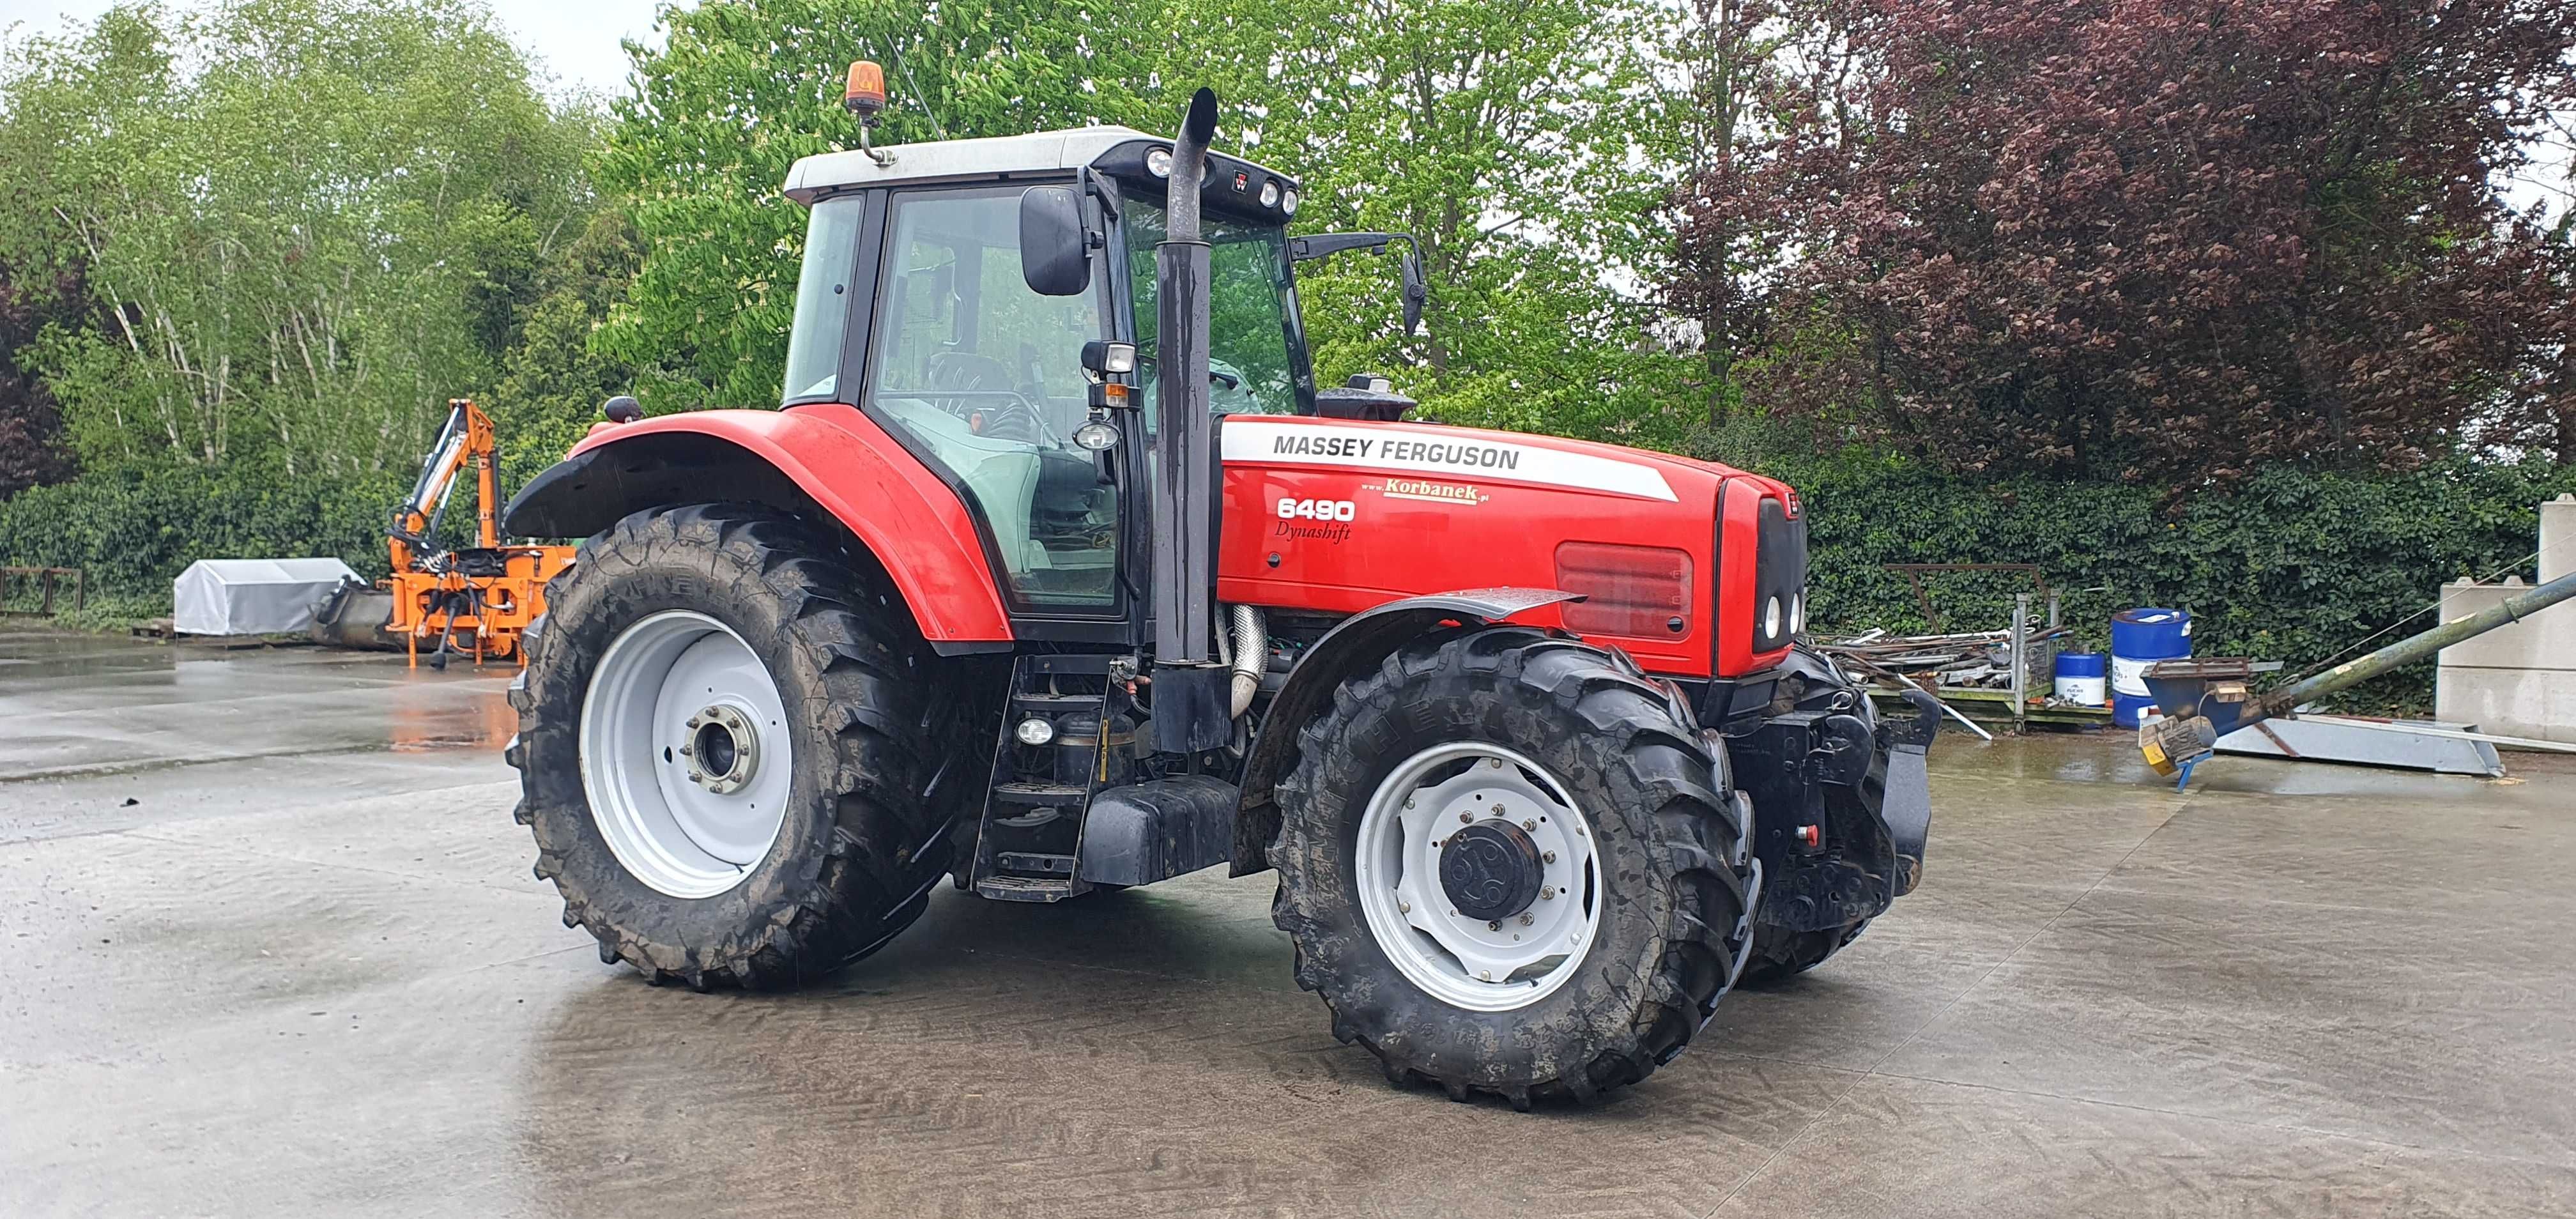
1671, 554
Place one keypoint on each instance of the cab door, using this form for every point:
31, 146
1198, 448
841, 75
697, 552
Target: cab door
981, 378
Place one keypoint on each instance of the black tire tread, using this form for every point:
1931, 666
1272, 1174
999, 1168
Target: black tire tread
1701, 845
889, 845
1779, 954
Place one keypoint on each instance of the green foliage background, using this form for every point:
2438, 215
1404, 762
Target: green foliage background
2293, 565
241, 180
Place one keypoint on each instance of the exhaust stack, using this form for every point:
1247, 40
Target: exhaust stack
1191, 695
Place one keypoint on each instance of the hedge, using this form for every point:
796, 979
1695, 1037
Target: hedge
132, 530
2291, 565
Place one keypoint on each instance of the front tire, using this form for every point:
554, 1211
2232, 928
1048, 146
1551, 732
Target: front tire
740, 762
1780, 954
1615, 844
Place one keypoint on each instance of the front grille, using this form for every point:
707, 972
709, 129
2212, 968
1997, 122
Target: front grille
1779, 574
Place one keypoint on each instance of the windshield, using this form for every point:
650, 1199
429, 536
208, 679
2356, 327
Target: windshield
1256, 350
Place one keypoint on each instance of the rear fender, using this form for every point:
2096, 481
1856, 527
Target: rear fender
1358, 643
825, 461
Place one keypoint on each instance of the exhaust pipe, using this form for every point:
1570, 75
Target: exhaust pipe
1191, 688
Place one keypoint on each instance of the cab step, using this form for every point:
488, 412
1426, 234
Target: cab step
1029, 888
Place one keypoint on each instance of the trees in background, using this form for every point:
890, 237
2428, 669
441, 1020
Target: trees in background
305, 223
2146, 239
31, 426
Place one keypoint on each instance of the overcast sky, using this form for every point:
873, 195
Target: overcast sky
576, 39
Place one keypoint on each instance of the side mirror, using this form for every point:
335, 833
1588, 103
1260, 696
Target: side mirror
1055, 253
1415, 292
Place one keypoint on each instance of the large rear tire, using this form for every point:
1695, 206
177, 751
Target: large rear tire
1509, 864
741, 763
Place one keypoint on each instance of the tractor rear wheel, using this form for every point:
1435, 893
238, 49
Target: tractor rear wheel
740, 761
1509, 864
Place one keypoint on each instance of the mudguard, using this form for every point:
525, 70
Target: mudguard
1357, 642
826, 457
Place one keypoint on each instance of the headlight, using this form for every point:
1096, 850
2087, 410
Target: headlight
1771, 618
1270, 193
1097, 436
1158, 162
1035, 731
1798, 614
1288, 202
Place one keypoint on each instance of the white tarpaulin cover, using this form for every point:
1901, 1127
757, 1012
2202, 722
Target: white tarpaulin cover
251, 596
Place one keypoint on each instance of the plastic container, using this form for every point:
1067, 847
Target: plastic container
2081, 678
2141, 637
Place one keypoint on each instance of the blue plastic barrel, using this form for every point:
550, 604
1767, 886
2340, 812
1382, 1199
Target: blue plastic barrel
2141, 637
2081, 678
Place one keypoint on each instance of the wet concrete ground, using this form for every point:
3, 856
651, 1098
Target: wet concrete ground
269, 945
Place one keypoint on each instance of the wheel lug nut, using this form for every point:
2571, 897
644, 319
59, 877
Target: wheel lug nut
1525, 921
1495, 925
1466, 816
688, 751
1547, 893
1498, 810
1404, 907
1549, 857
1531, 825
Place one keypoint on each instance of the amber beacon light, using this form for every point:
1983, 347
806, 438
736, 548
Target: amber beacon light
866, 95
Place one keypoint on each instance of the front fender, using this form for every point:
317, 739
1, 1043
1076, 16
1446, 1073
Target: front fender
826, 457
1356, 643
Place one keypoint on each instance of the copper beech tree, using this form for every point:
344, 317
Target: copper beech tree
2153, 239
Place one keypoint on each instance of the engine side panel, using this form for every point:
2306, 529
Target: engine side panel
1340, 515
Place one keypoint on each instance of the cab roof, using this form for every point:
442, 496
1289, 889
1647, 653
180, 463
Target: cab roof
998, 157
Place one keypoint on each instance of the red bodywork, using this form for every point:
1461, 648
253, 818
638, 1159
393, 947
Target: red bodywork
1374, 512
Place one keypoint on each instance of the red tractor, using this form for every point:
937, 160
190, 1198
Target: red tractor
1055, 572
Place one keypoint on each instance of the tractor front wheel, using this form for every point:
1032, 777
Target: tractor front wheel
1509, 864
740, 761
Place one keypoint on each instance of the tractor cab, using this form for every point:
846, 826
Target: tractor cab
924, 301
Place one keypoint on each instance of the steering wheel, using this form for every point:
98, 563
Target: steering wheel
981, 394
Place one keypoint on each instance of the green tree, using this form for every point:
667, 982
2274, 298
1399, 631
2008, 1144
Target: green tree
308, 222
554, 378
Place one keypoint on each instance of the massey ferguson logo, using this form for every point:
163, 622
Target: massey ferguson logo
1439, 493
1396, 450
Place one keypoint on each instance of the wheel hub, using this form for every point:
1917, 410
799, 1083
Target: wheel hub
1478, 876
685, 755
1490, 870
723, 749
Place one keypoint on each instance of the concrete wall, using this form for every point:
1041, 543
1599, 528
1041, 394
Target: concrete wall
2520, 680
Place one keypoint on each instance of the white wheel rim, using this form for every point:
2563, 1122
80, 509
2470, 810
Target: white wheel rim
676, 696
1479, 964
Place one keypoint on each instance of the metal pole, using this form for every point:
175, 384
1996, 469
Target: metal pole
2407, 651
2020, 659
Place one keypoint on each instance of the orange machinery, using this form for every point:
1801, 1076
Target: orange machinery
485, 594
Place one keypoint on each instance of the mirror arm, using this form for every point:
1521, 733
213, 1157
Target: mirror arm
1324, 245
